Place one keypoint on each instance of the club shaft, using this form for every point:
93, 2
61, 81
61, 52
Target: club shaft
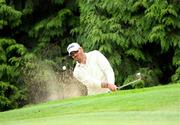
120, 87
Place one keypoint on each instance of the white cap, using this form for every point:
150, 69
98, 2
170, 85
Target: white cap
73, 47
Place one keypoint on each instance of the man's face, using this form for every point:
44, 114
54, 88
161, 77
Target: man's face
77, 55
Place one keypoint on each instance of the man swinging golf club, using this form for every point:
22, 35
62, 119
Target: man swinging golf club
92, 69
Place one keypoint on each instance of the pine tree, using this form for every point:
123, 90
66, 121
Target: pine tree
27, 30
10, 58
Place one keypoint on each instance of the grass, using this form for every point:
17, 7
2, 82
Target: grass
156, 105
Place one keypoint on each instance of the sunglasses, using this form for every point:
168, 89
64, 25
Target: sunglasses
73, 53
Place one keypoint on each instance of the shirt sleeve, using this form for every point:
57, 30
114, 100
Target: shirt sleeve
86, 79
106, 67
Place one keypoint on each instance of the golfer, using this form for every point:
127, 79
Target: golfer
92, 69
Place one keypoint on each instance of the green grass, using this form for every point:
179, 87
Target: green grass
156, 105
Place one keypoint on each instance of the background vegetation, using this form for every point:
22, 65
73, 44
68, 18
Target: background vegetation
135, 35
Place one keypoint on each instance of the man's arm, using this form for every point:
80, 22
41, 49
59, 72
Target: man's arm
108, 71
86, 79
106, 67
91, 81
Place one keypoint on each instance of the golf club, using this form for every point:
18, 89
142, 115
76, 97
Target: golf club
138, 75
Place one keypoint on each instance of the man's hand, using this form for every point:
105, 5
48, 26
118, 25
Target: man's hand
112, 87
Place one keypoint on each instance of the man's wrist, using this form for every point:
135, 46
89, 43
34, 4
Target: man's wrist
104, 85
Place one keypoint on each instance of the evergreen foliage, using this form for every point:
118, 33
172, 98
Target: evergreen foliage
55, 28
8, 15
176, 62
34, 26
10, 60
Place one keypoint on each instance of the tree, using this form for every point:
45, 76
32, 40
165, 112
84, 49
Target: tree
12, 90
27, 29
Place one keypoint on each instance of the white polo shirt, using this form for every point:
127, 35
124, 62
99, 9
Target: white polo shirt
96, 70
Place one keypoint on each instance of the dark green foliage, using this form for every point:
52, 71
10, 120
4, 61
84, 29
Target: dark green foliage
12, 91
10, 96
8, 15
176, 62
34, 26
55, 28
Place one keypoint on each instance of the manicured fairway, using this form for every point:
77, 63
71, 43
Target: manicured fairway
150, 106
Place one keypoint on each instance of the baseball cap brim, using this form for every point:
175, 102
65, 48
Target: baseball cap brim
73, 47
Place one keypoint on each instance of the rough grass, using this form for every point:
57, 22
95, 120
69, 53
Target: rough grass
156, 105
